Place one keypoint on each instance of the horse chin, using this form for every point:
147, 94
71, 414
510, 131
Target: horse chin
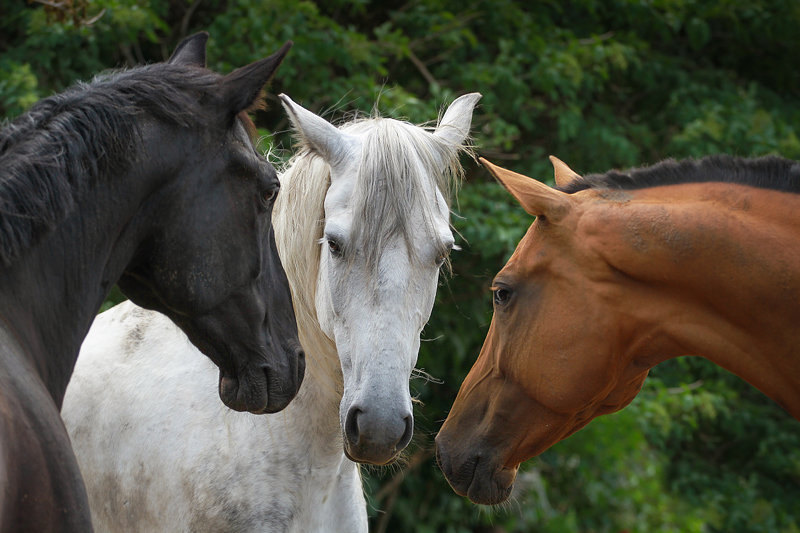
370, 455
242, 394
493, 488
260, 389
477, 477
250, 394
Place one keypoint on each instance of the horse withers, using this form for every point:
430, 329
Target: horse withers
147, 177
620, 272
362, 227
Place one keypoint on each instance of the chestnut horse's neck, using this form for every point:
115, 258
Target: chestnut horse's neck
710, 270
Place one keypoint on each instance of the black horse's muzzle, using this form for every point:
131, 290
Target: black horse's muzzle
263, 388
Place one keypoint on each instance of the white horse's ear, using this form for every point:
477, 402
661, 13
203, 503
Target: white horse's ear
455, 124
319, 134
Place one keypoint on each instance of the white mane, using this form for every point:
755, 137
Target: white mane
299, 211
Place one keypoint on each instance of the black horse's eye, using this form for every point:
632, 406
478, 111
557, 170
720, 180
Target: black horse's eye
501, 295
268, 196
335, 247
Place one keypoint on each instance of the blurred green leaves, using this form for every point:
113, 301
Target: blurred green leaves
18, 87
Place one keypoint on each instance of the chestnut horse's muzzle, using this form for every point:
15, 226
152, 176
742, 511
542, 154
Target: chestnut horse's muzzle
473, 472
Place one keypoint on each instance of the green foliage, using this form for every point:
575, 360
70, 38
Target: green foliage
712, 454
17, 86
601, 84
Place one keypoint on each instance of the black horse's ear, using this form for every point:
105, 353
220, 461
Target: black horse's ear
191, 51
241, 88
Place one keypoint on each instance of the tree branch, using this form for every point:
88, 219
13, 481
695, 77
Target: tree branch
187, 17
422, 68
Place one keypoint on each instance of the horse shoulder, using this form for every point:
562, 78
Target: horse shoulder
184, 465
127, 417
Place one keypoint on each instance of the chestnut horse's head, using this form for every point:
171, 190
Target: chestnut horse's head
553, 357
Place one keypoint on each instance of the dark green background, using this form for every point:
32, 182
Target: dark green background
601, 84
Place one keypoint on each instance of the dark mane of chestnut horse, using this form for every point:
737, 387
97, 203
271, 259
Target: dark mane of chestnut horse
768, 172
51, 153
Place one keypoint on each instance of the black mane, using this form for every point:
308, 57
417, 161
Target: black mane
50, 154
770, 172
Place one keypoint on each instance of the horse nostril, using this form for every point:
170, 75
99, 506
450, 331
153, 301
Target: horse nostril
351, 425
407, 434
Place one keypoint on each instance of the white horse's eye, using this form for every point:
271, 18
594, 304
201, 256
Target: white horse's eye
335, 248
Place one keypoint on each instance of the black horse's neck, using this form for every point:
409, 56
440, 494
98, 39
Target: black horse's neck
51, 293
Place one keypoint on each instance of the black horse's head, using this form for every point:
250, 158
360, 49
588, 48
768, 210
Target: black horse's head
209, 261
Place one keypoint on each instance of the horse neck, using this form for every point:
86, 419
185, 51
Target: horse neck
298, 221
714, 271
51, 293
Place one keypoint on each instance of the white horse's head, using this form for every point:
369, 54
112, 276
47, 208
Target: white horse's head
386, 235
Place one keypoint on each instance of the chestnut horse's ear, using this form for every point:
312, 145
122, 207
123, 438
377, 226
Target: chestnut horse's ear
564, 175
534, 196
191, 51
240, 88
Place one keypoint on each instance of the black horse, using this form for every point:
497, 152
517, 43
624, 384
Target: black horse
149, 178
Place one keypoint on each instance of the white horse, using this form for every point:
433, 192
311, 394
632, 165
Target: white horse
362, 227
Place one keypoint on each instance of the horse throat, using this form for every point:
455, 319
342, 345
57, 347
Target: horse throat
715, 274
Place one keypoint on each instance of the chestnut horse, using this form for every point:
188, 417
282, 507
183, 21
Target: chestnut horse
620, 272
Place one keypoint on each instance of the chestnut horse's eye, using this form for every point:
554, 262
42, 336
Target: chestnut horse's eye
501, 295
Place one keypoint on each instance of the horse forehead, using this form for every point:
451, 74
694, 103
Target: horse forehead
244, 131
343, 179
545, 244
390, 142
527, 256
338, 201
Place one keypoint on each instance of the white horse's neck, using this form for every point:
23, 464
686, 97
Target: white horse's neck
298, 219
